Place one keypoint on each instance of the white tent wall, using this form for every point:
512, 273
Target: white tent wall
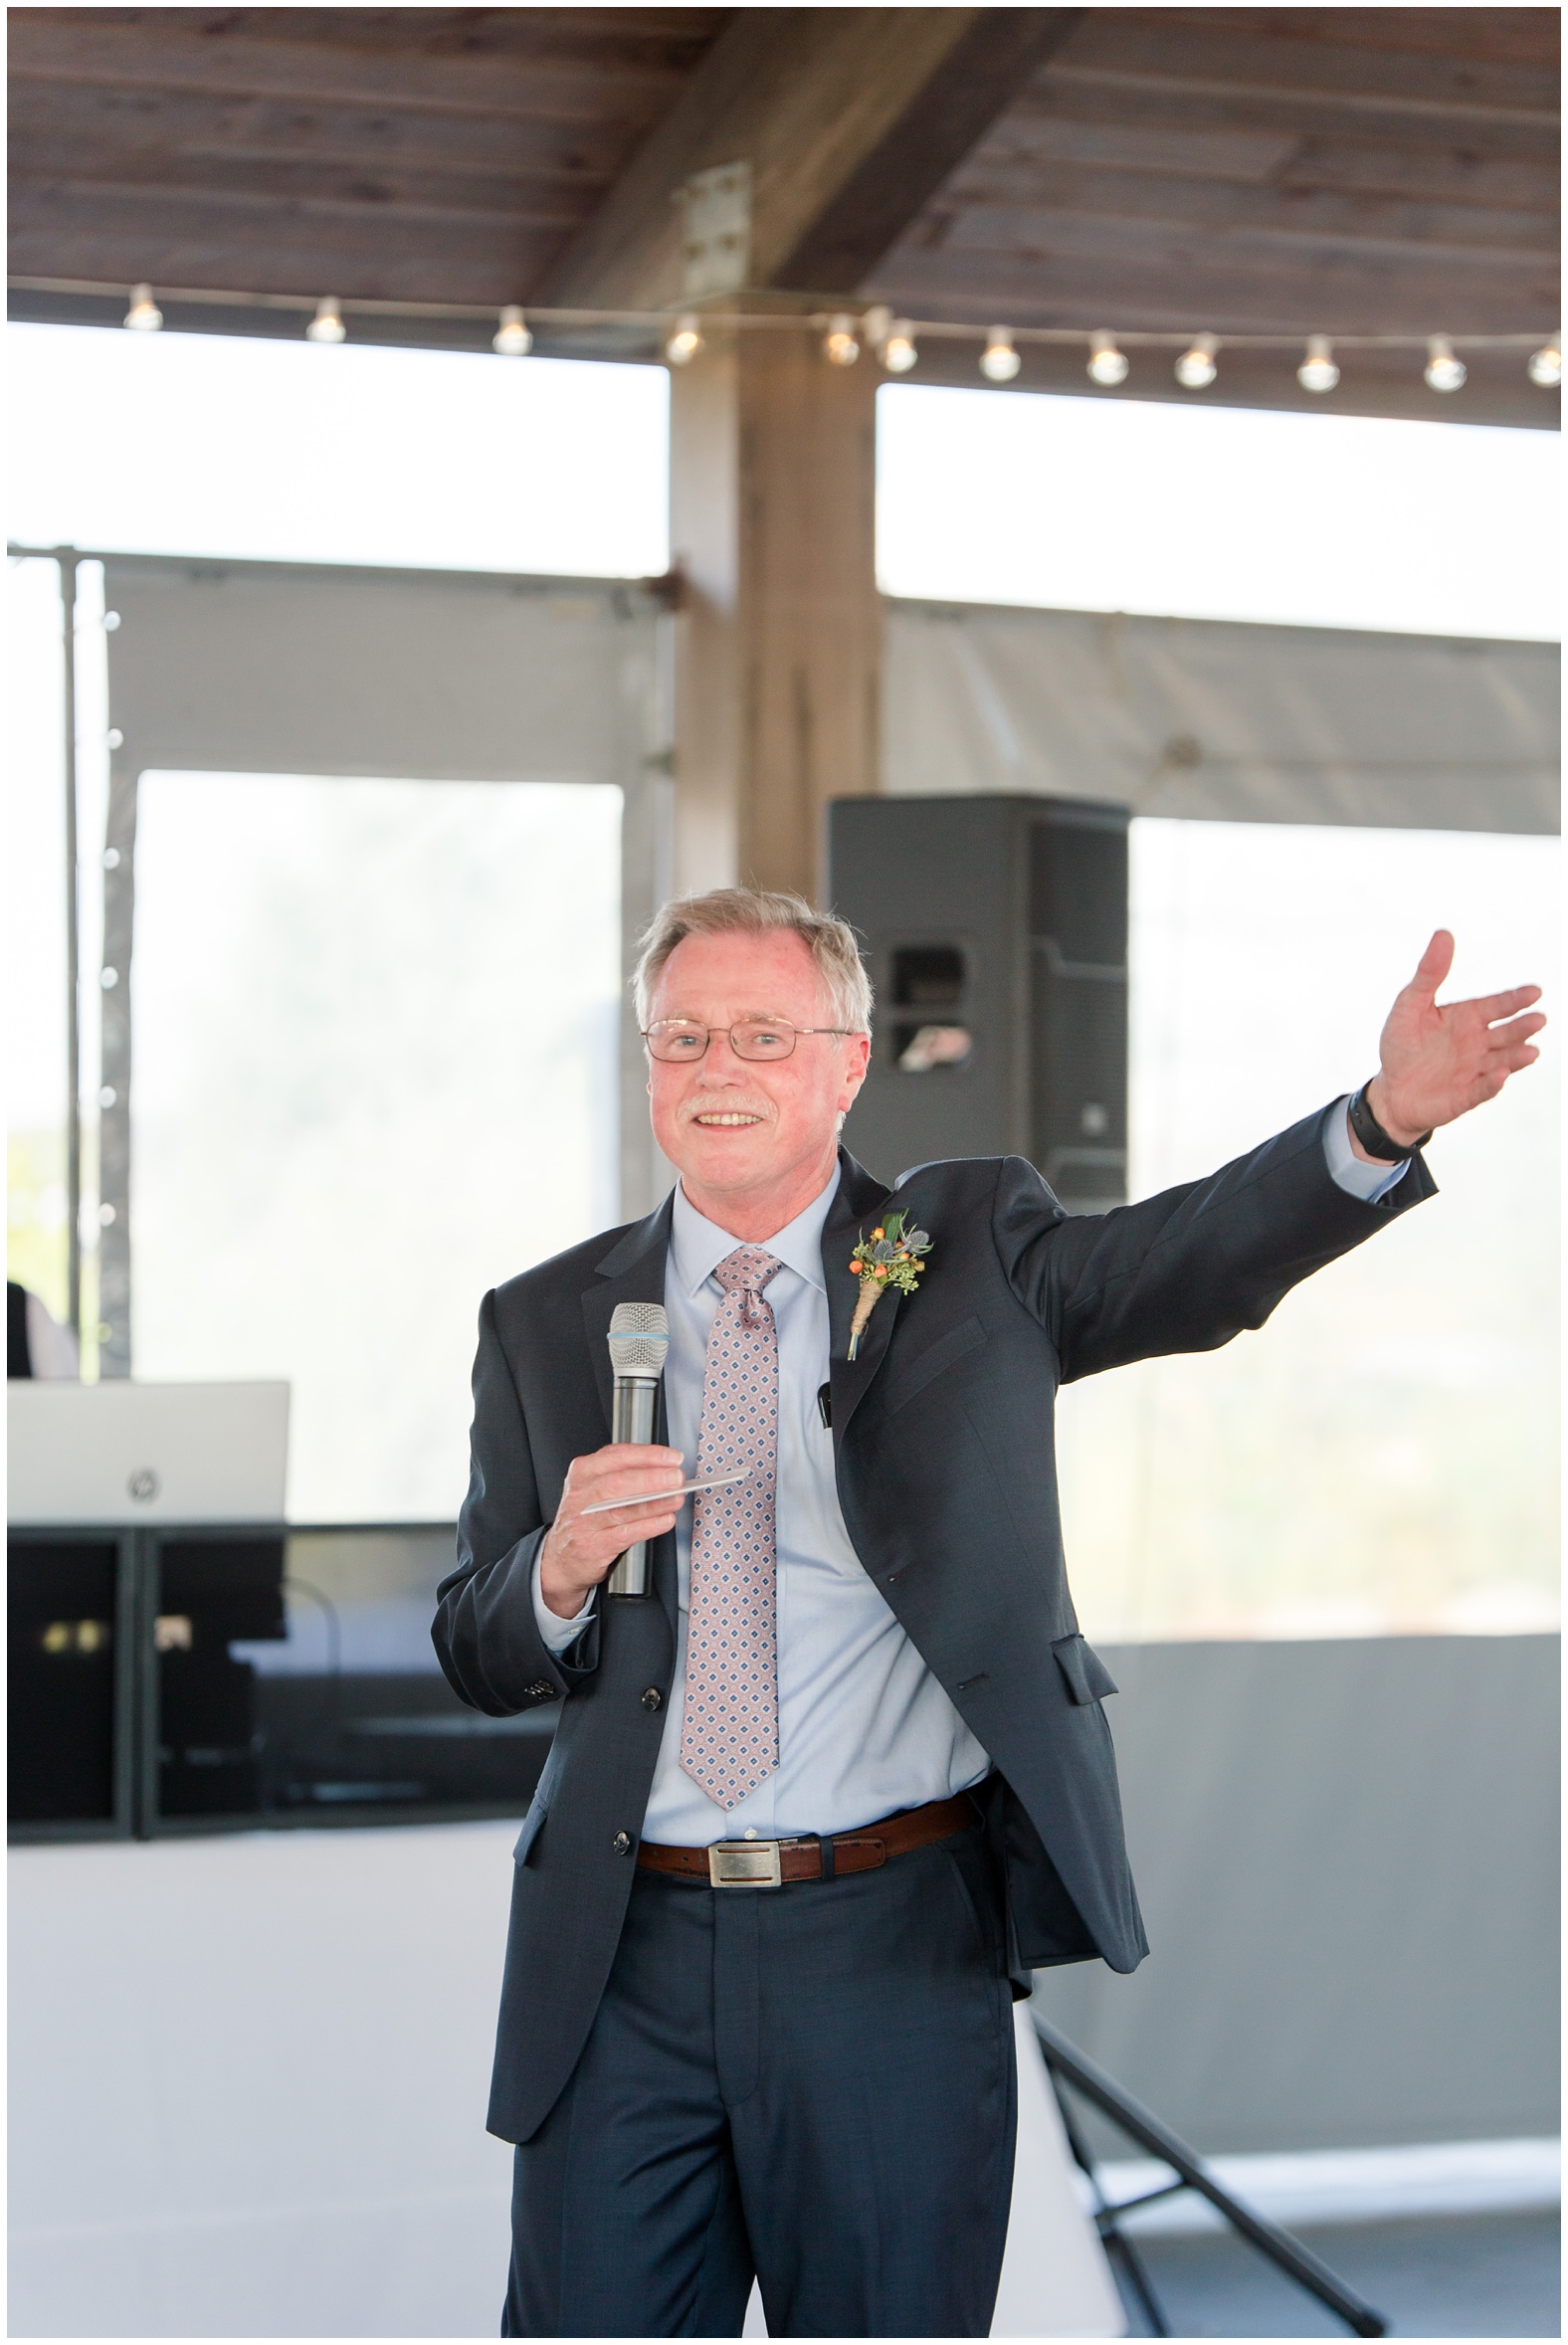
1225, 722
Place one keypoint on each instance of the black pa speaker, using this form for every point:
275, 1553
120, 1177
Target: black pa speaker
995, 930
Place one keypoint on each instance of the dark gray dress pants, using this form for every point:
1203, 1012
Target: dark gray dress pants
814, 2084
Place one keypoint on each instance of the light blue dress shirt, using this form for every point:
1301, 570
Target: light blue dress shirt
864, 1726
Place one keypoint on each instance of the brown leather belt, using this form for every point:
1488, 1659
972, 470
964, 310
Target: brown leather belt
768, 1865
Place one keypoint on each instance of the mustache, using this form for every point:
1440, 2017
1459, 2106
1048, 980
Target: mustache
726, 1103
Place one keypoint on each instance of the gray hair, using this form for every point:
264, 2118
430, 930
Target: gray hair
757, 911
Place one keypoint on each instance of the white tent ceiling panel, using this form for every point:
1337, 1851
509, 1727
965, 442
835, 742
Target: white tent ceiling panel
1223, 722
298, 669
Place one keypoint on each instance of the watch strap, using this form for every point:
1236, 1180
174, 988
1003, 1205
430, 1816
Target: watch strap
1374, 1139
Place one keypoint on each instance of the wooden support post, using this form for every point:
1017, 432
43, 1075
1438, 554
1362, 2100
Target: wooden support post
779, 639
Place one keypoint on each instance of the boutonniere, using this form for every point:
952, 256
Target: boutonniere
890, 1257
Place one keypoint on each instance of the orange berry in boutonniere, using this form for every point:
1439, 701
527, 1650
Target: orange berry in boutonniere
890, 1257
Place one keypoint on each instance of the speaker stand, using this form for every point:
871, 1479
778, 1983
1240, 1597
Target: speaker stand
1070, 2068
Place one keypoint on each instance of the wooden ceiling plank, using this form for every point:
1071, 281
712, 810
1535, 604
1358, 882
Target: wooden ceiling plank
1017, 148
810, 98
113, 56
1089, 99
259, 221
292, 250
1521, 36
1146, 199
69, 119
1445, 174
1110, 46
1246, 241
672, 38
1023, 142
1184, 287
388, 195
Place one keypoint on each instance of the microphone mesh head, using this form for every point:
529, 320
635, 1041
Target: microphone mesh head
638, 1339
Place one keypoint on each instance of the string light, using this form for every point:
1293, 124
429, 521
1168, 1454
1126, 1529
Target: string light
1195, 369
144, 316
1546, 364
1444, 371
1317, 371
1106, 365
999, 361
513, 339
893, 339
840, 346
899, 352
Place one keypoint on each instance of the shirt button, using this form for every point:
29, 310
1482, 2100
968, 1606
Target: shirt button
622, 1844
652, 1698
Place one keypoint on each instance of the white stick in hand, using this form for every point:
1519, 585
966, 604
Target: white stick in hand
657, 1497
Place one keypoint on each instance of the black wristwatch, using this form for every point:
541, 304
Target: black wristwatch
1374, 1139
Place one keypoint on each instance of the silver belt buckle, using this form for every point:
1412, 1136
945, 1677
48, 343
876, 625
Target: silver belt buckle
733, 1864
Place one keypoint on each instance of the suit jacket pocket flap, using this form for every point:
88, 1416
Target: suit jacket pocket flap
937, 1356
538, 1812
1088, 1677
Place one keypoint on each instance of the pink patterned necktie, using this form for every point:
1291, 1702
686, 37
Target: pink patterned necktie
729, 1735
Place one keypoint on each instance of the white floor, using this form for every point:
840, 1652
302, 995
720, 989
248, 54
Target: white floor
248, 2085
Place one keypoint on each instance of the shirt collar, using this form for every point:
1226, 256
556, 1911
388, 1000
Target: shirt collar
698, 1245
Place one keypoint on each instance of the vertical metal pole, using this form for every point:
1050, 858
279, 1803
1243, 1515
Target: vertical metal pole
67, 596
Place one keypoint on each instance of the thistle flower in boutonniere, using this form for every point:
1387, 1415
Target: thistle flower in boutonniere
890, 1257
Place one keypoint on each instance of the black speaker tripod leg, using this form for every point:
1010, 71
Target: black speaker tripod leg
1067, 2066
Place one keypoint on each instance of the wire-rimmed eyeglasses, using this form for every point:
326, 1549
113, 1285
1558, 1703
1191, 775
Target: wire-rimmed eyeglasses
679, 1040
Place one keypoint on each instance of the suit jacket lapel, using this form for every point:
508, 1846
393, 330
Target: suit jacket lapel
860, 1198
633, 1271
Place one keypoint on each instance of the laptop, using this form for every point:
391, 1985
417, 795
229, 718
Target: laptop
126, 1453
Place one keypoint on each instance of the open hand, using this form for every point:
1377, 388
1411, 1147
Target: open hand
577, 1553
1439, 1062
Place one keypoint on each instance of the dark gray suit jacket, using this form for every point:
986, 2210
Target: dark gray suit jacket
942, 1432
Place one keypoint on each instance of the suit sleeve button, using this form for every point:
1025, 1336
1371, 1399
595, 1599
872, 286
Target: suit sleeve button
653, 1699
622, 1844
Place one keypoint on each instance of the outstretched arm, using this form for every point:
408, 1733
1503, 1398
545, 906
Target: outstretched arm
1438, 1063
1188, 1269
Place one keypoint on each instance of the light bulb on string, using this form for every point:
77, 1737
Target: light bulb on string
1106, 365
1443, 372
1545, 366
513, 339
685, 343
999, 361
327, 323
144, 316
1195, 369
1317, 371
839, 345
899, 352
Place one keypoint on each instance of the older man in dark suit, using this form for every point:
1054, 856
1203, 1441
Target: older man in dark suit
820, 1802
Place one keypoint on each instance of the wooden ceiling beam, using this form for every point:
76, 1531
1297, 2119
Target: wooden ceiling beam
850, 120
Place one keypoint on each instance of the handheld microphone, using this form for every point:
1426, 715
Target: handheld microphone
639, 1341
